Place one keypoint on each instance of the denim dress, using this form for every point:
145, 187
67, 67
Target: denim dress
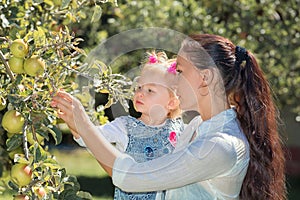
146, 143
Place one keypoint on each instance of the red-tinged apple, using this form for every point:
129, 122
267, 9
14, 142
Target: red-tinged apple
34, 66
16, 65
21, 174
21, 197
19, 48
13, 121
41, 192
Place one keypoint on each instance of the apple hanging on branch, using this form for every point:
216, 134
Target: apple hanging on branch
13, 121
16, 65
34, 66
21, 174
19, 48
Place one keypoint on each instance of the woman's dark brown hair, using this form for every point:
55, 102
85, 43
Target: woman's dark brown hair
247, 89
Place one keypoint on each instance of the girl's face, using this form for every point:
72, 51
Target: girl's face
187, 84
151, 99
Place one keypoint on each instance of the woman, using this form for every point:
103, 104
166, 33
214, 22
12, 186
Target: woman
235, 153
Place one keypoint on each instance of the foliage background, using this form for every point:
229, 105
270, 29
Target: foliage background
268, 28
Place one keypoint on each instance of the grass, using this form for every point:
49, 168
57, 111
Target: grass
91, 177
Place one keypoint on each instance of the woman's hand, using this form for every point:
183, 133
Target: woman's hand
72, 112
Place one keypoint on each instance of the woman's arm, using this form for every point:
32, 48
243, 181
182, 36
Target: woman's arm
73, 113
198, 162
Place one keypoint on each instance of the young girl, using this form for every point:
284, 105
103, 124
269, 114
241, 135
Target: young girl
155, 132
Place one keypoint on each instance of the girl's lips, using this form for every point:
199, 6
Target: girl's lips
138, 102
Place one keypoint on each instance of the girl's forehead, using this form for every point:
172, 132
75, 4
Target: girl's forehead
155, 80
152, 80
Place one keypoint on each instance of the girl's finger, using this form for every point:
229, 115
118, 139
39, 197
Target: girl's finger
65, 95
64, 106
62, 101
53, 103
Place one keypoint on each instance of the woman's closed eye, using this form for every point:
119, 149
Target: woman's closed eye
178, 71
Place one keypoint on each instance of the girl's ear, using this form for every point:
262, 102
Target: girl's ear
173, 103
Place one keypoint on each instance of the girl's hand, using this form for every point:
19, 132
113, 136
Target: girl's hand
72, 112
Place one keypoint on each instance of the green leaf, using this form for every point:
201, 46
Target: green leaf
65, 4
39, 37
63, 172
97, 13
38, 1
14, 142
38, 152
84, 195
71, 182
19, 158
13, 185
68, 194
56, 133
52, 166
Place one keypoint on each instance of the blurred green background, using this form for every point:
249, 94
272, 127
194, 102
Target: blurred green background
268, 28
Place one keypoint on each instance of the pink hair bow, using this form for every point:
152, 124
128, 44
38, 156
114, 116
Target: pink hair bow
172, 68
152, 59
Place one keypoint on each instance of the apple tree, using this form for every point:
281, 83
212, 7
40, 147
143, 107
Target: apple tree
40, 54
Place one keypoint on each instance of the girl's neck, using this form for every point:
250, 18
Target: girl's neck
152, 121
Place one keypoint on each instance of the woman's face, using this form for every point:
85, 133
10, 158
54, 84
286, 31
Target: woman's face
187, 85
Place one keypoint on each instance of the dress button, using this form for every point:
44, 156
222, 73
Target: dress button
166, 151
134, 124
149, 152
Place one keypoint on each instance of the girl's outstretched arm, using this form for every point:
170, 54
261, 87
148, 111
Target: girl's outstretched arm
72, 112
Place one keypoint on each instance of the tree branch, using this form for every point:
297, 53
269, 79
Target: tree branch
9, 72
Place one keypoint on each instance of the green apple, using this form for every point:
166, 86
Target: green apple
16, 64
13, 121
21, 174
40, 139
19, 48
2, 103
34, 66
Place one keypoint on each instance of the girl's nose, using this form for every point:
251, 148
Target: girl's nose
139, 93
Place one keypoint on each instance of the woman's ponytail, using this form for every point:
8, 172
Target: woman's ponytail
258, 118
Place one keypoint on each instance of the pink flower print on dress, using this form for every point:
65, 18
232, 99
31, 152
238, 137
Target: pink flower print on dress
172, 68
173, 138
152, 59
